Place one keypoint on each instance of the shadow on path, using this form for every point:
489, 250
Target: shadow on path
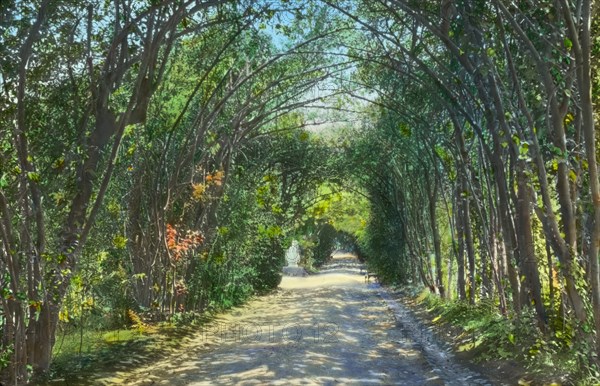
325, 329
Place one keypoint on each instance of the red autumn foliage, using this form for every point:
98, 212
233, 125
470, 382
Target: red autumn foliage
180, 245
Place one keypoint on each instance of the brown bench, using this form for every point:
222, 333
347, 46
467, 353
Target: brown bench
370, 275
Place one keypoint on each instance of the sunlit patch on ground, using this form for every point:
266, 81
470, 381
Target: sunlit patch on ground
325, 329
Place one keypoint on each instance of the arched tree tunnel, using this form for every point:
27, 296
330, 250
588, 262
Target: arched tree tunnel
159, 157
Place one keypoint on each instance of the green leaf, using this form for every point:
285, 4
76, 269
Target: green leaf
405, 129
120, 242
516, 139
222, 231
58, 163
511, 338
34, 176
304, 136
584, 165
568, 44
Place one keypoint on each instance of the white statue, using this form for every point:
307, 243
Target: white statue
292, 256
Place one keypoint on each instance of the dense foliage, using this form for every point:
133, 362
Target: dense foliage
158, 157
485, 186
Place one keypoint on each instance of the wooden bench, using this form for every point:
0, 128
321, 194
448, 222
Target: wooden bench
370, 275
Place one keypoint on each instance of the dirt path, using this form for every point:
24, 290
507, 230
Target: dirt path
324, 329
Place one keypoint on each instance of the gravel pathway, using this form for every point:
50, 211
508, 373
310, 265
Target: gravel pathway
325, 329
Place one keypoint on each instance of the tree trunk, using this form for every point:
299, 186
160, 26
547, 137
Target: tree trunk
465, 203
526, 246
469, 245
436, 238
460, 257
584, 77
551, 289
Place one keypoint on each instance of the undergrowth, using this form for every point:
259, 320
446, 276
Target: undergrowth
79, 350
552, 355
83, 345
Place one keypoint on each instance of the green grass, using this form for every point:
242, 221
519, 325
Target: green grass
77, 350
492, 336
77, 354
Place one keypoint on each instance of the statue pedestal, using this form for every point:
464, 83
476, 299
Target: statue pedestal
294, 271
